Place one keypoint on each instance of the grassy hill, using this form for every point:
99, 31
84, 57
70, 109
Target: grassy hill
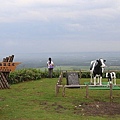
36, 100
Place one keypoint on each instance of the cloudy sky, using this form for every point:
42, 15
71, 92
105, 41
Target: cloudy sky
35, 26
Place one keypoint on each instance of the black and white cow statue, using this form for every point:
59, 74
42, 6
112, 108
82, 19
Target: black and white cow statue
111, 77
96, 70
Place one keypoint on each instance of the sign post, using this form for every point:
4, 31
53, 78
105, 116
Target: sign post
6, 67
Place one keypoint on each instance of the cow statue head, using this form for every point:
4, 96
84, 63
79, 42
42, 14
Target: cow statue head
101, 63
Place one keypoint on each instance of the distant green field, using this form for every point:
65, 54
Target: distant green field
83, 68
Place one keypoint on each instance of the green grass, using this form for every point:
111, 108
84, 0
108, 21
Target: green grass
36, 100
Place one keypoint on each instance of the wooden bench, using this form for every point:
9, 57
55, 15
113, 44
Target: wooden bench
72, 81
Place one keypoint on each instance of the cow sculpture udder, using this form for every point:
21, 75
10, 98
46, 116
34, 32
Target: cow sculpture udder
96, 70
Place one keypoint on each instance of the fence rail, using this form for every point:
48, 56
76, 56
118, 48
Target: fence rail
60, 85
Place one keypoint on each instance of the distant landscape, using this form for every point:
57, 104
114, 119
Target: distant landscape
75, 60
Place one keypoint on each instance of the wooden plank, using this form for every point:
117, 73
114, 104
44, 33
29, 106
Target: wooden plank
1, 84
8, 59
8, 66
111, 97
11, 58
4, 60
87, 95
4, 81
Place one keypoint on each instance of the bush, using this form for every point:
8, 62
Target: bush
85, 75
36, 74
29, 74
118, 74
24, 75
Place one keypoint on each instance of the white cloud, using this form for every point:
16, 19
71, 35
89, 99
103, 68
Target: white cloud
45, 10
62, 20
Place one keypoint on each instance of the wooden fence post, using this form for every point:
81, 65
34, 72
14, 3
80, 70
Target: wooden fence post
111, 97
87, 96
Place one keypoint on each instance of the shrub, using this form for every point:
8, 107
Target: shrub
36, 74
24, 75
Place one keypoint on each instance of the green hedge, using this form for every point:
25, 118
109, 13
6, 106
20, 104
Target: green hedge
29, 74
36, 74
87, 74
24, 75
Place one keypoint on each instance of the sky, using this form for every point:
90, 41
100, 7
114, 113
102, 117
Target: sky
38, 26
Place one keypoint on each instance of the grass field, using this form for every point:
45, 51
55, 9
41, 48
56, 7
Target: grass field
36, 100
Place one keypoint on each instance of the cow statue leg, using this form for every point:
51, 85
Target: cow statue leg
114, 78
114, 81
95, 80
91, 80
109, 81
100, 80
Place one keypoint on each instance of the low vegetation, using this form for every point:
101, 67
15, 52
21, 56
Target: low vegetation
29, 74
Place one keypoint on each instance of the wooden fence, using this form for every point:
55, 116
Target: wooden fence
60, 85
